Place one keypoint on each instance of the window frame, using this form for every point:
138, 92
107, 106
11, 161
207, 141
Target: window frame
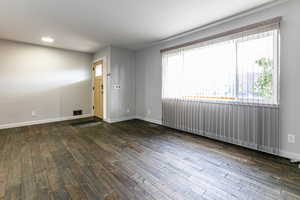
275, 75
237, 99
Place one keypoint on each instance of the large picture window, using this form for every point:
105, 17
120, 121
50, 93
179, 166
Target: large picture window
226, 86
242, 68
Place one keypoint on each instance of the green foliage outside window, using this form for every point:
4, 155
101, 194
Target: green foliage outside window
263, 85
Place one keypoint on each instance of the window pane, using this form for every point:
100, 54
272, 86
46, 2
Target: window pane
173, 70
239, 70
209, 72
256, 68
98, 70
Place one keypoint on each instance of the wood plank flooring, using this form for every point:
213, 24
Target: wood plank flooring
135, 160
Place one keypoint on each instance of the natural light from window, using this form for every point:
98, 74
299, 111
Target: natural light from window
238, 70
98, 70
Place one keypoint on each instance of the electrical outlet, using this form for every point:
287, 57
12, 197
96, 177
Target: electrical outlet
128, 110
33, 113
291, 138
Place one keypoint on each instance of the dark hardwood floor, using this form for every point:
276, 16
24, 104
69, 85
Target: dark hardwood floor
135, 160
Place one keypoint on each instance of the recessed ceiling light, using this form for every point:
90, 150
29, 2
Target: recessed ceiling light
47, 39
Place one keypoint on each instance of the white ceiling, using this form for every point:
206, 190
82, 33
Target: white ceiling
87, 25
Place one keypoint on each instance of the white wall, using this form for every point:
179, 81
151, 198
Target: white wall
49, 81
148, 70
123, 74
103, 53
121, 70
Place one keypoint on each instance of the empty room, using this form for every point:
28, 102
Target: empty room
149, 100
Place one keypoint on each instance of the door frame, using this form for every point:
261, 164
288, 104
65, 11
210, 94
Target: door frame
104, 80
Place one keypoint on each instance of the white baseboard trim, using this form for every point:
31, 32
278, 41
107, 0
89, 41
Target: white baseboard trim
119, 119
290, 155
154, 121
43, 121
